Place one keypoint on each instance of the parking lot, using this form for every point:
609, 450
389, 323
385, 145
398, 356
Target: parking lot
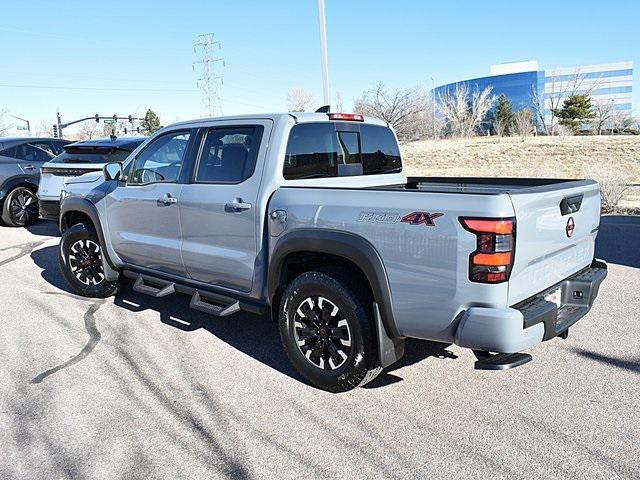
138, 387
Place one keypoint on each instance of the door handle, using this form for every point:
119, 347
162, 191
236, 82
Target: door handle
166, 200
237, 206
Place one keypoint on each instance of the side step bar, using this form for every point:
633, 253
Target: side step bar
141, 287
216, 304
500, 361
198, 303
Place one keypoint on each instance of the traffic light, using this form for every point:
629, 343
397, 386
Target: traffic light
125, 130
55, 131
130, 118
97, 117
115, 117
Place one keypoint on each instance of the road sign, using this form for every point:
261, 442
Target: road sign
109, 121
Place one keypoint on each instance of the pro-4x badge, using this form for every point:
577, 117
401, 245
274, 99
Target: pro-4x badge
419, 218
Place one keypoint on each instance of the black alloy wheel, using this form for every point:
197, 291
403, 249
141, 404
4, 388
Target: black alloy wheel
21, 208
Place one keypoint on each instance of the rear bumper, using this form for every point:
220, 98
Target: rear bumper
49, 209
533, 320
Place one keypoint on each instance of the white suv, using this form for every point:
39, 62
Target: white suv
77, 159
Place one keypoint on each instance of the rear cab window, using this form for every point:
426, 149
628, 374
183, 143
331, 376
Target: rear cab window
332, 149
92, 156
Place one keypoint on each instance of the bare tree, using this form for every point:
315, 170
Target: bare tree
604, 112
622, 121
299, 100
554, 93
523, 123
44, 129
406, 110
500, 126
614, 184
464, 111
4, 127
89, 130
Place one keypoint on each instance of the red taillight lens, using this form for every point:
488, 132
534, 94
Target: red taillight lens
492, 260
351, 117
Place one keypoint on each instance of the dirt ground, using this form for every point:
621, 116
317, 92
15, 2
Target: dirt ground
554, 157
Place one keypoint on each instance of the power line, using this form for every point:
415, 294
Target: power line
208, 81
111, 89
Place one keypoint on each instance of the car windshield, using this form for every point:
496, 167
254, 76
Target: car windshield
86, 155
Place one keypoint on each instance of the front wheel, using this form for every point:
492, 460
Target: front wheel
81, 263
327, 333
20, 208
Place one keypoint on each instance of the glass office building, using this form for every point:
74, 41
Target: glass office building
610, 82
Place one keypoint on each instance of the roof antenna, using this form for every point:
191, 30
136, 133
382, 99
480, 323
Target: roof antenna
324, 109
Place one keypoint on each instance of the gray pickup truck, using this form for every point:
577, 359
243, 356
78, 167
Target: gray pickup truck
309, 216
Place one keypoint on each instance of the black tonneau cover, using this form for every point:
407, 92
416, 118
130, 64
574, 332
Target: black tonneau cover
484, 185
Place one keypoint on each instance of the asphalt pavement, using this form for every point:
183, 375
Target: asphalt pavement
136, 387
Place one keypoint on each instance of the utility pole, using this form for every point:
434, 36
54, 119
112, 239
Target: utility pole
208, 81
323, 49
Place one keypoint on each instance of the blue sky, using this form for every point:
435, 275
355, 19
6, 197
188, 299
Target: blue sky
125, 57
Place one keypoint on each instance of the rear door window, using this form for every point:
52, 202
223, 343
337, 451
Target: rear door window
327, 149
229, 154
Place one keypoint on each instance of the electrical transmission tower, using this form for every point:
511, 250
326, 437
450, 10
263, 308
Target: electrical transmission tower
208, 81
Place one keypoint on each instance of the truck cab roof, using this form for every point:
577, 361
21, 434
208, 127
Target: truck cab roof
299, 117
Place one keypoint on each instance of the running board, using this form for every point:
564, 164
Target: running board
500, 361
219, 310
141, 287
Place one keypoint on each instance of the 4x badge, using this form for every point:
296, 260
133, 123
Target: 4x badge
420, 218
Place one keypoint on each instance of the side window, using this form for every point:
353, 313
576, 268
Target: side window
229, 154
312, 151
161, 160
30, 153
9, 152
44, 151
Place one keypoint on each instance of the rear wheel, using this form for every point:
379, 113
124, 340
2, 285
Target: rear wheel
20, 207
327, 333
81, 263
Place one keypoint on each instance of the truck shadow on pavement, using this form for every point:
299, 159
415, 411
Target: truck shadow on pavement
256, 336
619, 240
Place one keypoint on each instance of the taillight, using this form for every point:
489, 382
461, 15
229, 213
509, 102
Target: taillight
492, 260
351, 117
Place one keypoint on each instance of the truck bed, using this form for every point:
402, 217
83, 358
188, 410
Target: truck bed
484, 185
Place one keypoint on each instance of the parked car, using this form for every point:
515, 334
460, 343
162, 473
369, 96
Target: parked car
77, 159
309, 215
20, 162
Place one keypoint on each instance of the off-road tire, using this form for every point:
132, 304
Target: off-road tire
74, 240
361, 364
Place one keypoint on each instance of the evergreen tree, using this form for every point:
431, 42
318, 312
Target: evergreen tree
151, 122
575, 111
503, 118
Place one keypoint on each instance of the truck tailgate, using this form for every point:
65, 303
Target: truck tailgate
556, 229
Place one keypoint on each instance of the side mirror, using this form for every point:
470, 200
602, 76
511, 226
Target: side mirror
113, 171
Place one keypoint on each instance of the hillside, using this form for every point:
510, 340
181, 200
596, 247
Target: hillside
566, 157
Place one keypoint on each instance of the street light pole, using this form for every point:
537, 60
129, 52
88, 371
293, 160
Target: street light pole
323, 49
23, 120
433, 102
